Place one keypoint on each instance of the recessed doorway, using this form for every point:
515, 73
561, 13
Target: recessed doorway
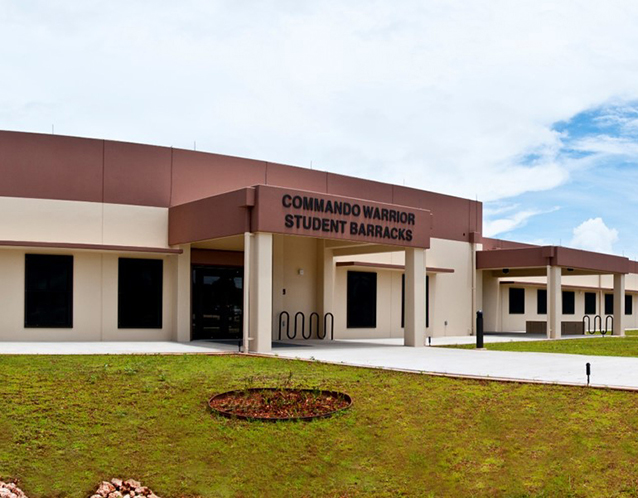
217, 302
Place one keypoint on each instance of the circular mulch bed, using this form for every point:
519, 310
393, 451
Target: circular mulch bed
272, 404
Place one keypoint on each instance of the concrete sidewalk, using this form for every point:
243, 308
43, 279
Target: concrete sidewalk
79, 348
389, 354
565, 369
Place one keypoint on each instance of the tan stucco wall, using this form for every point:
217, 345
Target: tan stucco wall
450, 293
290, 255
94, 299
496, 308
45, 220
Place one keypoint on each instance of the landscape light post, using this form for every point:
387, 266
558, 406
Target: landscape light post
479, 329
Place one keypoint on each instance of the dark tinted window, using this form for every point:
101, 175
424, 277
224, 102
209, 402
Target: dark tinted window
629, 309
48, 291
139, 304
609, 304
362, 300
590, 303
569, 302
541, 301
517, 301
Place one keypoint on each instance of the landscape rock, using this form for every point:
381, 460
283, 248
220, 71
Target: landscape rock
119, 488
10, 490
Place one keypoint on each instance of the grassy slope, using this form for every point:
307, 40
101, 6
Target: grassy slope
68, 422
597, 346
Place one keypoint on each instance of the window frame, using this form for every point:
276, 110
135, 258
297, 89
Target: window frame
609, 303
30, 262
572, 295
124, 322
355, 322
541, 303
512, 291
587, 312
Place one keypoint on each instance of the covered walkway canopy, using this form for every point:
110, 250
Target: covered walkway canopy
554, 262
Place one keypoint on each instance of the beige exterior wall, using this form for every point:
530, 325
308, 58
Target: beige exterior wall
95, 290
45, 220
450, 294
496, 304
293, 291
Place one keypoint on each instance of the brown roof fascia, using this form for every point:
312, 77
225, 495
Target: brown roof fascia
218, 216
565, 257
45, 166
490, 244
88, 247
387, 266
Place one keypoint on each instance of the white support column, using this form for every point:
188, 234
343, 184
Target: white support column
260, 302
328, 289
183, 317
619, 304
248, 237
414, 332
554, 302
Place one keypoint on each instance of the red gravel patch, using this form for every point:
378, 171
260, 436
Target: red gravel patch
279, 404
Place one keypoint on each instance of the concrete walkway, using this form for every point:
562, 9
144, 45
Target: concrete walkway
565, 369
75, 348
389, 354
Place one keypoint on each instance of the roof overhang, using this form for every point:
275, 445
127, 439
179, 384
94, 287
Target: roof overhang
285, 211
533, 261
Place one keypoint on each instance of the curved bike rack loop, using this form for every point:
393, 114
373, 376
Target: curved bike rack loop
316, 315
587, 329
609, 318
281, 315
332, 326
303, 324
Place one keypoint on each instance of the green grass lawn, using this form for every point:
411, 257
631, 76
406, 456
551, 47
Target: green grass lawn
68, 422
596, 346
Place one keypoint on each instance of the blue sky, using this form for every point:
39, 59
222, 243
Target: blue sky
599, 147
528, 106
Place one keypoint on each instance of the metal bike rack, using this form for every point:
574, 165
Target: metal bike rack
281, 315
587, 329
303, 324
598, 325
325, 326
316, 316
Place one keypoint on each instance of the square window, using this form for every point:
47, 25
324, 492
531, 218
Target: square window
590, 303
609, 304
139, 303
569, 302
517, 301
362, 300
48, 291
541, 301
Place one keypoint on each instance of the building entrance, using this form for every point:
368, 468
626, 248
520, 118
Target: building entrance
217, 302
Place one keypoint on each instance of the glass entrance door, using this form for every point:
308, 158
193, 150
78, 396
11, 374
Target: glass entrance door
217, 302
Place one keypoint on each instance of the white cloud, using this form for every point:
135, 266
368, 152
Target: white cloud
594, 235
447, 95
491, 228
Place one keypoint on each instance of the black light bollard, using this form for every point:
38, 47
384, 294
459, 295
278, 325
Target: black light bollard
588, 371
479, 330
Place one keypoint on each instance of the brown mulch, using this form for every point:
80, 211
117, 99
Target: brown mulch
279, 403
